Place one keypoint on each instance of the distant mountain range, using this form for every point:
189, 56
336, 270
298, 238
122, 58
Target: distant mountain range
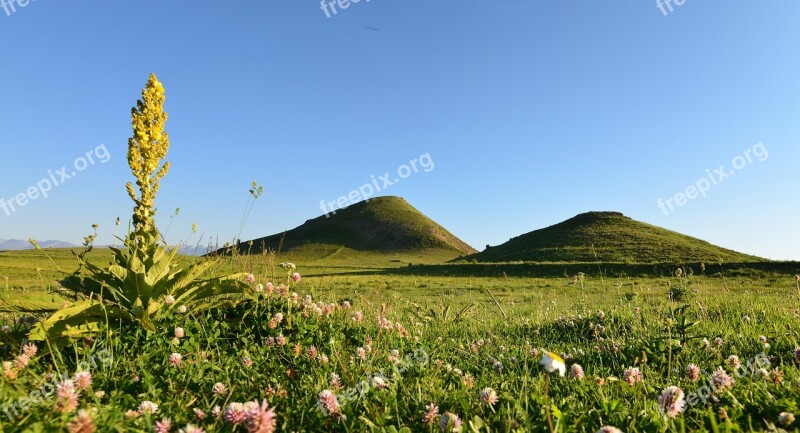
18, 244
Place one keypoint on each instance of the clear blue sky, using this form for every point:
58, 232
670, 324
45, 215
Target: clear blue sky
533, 111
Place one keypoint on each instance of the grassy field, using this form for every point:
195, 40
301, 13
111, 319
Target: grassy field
468, 343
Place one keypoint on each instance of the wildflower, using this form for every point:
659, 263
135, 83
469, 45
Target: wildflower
219, 388
199, 414
247, 361
734, 362
718, 342
796, 354
323, 358
346, 305
335, 381
379, 383
468, 380
29, 350
82, 423
83, 380
497, 366
358, 317
763, 339
431, 413
175, 359
361, 353
385, 323
632, 376
785, 418
281, 340
148, 407
720, 380
760, 374
179, 332
22, 361
450, 422
488, 396
66, 396
163, 426
609, 429
169, 300
777, 376
259, 288
250, 278
534, 352
393, 356
671, 401
261, 419
706, 343
693, 372
327, 403
216, 411
296, 277
576, 372
235, 414
278, 317
552, 363
191, 429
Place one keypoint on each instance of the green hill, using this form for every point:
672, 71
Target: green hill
386, 226
608, 237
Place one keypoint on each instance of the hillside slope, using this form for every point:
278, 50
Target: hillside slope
608, 237
380, 225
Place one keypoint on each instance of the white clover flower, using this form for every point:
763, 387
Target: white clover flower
148, 407
552, 363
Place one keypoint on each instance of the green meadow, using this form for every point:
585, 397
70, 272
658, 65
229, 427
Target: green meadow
480, 328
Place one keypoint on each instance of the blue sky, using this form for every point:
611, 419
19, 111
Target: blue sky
533, 111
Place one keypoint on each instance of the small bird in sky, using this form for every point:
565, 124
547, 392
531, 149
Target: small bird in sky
372, 28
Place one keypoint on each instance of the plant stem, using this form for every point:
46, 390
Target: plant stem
547, 403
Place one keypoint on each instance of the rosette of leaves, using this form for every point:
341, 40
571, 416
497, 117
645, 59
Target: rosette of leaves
144, 279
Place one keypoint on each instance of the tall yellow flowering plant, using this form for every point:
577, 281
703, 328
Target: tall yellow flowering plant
144, 280
146, 149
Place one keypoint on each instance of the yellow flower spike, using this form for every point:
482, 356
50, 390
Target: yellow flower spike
146, 150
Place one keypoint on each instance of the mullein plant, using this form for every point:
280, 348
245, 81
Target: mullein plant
144, 279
